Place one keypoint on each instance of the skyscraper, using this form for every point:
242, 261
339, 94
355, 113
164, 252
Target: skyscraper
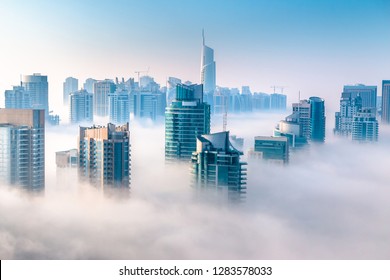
70, 85
365, 126
119, 107
186, 118
37, 86
349, 106
101, 90
81, 106
17, 98
303, 110
22, 148
367, 93
317, 119
278, 102
216, 164
88, 85
386, 101
104, 156
207, 71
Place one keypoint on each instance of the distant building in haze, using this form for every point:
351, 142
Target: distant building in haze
88, 85
81, 106
38, 88
186, 118
22, 148
278, 102
216, 164
67, 158
349, 106
70, 85
104, 156
386, 101
119, 107
208, 69
365, 126
17, 98
367, 93
303, 113
101, 90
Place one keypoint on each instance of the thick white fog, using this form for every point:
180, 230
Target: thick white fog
331, 202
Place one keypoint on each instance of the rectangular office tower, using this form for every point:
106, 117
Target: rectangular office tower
22, 148
38, 88
273, 149
186, 118
101, 90
17, 98
386, 101
349, 106
216, 164
81, 106
367, 93
119, 107
365, 126
104, 156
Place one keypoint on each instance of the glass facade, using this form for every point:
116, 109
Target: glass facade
186, 118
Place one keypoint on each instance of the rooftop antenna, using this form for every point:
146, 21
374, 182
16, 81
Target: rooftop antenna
21, 83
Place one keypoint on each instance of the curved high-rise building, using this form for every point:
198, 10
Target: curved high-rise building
207, 71
317, 119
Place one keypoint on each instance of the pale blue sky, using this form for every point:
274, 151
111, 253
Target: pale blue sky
312, 46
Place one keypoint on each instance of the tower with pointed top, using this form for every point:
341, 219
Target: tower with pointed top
207, 71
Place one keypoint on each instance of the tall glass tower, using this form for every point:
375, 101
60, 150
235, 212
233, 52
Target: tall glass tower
207, 71
386, 101
317, 119
38, 88
186, 118
22, 148
216, 165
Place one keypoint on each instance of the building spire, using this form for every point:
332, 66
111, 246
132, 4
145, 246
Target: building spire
203, 36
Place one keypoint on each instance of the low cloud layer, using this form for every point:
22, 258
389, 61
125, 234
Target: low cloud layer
331, 202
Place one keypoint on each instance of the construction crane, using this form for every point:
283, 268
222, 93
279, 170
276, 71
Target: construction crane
144, 71
281, 88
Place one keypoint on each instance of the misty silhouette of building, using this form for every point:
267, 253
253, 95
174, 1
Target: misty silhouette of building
22, 148
273, 149
147, 104
17, 98
349, 106
119, 107
67, 158
207, 69
104, 156
216, 164
101, 90
81, 106
38, 88
367, 93
365, 126
88, 85
278, 102
186, 118
70, 85
386, 101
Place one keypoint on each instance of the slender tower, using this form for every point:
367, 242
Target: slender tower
207, 71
